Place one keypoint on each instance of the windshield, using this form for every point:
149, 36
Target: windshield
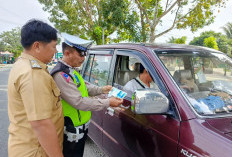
204, 77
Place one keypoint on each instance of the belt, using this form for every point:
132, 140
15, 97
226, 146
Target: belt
83, 127
79, 132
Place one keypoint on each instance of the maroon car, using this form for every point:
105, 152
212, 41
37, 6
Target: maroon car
187, 114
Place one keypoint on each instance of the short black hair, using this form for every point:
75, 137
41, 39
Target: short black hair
36, 30
141, 69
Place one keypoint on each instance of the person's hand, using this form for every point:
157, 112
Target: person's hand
106, 89
115, 102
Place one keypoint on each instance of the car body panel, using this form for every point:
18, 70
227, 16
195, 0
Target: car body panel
140, 135
221, 124
96, 125
127, 134
198, 138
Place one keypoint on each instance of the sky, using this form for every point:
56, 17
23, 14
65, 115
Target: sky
15, 13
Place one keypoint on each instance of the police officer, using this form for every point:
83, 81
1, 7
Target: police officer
75, 95
34, 106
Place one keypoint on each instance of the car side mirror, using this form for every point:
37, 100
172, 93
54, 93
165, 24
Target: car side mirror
149, 101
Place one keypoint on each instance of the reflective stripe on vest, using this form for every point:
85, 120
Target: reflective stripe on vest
78, 117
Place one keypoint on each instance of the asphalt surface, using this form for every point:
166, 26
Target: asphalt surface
91, 150
4, 121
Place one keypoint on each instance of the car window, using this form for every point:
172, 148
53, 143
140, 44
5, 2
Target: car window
127, 68
204, 77
88, 67
129, 65
173, 63
100, 69
127, 72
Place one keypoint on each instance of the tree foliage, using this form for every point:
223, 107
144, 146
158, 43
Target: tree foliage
88, 18
2, 46
11, 41
137, 20
228, 30
181, 40
223, 43
183, 14
211, 42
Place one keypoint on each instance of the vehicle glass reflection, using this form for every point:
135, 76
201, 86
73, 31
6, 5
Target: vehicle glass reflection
205, 77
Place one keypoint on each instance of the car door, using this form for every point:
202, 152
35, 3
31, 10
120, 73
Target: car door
96, 71
128, 134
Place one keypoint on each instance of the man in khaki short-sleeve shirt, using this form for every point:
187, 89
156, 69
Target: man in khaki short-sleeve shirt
34, 96
34, 104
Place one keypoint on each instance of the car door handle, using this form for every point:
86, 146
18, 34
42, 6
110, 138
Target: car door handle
110, 111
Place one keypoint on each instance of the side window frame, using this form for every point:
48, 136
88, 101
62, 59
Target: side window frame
94, 53
121, 52
143, 59
85, 66
148, 65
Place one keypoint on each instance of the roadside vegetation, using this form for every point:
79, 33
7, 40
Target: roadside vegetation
114, 21
218, 41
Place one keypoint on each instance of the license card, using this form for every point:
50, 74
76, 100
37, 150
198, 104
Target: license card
117, 93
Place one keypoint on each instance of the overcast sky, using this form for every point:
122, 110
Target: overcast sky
14, 13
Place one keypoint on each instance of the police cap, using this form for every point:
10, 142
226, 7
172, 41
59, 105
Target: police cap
80, 44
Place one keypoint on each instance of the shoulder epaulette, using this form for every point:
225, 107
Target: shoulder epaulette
35, 64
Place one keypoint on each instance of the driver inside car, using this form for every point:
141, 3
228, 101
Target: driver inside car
144, 80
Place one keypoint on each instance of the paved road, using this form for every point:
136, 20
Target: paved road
91, 150
4, 121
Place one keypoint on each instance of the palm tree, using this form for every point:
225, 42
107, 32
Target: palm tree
171, 40
228, 30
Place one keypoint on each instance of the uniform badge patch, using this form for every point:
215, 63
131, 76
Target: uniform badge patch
77, 81
65, 76
35, 64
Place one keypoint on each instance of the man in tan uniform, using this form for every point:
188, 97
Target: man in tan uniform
34, 106
75, 95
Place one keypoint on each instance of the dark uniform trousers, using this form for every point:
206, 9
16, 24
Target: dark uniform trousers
73, 149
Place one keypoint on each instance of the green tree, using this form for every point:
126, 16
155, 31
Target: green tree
223, 43
200, 40
228, 30
181, 40
2, 46
211, 42
171, 39
183, 14
138, 20
88, 18
11, 40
